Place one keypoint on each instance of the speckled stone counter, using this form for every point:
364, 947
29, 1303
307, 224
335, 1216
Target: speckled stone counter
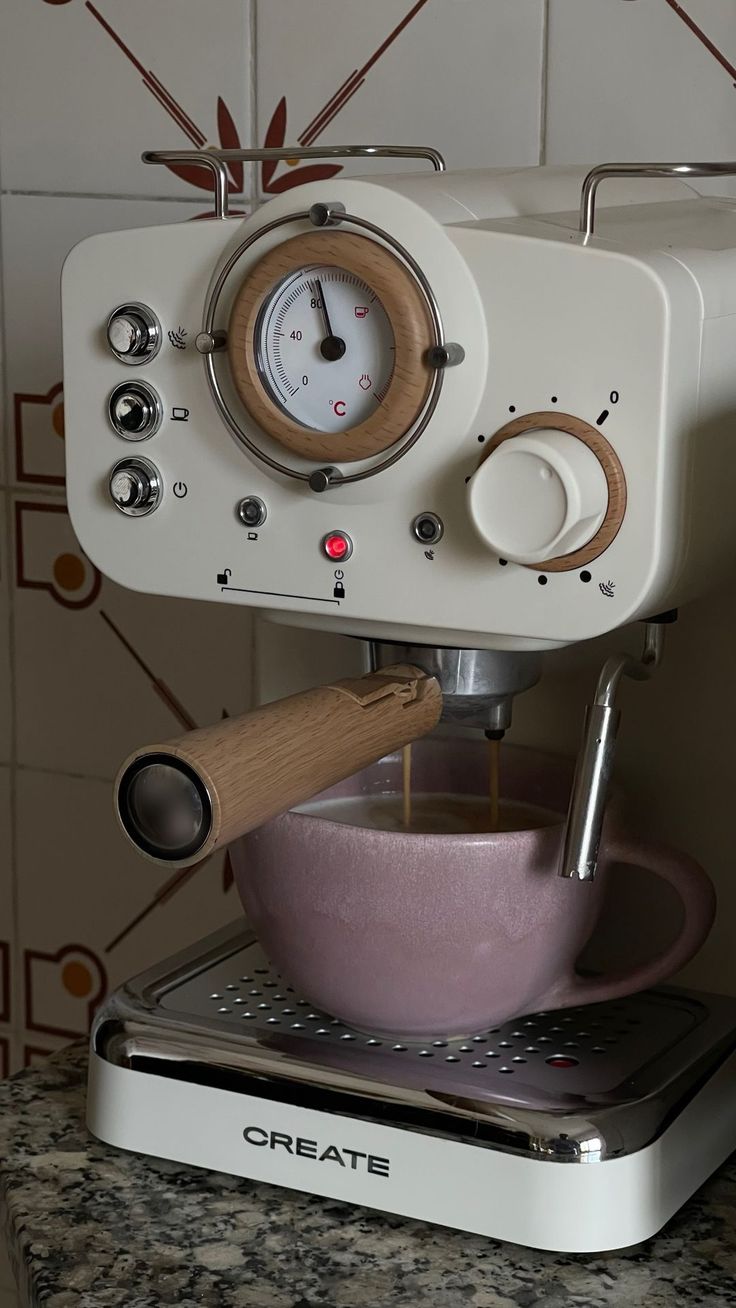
91, 1227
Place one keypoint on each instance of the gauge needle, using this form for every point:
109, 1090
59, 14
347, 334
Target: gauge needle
332, 347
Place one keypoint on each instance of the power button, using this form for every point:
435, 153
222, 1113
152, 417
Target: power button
135, 487
337, 546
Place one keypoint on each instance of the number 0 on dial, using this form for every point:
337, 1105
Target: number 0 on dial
327, 344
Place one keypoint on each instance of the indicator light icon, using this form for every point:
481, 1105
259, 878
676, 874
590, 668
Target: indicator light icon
337, 545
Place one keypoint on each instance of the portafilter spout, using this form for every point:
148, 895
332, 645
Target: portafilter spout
478, 685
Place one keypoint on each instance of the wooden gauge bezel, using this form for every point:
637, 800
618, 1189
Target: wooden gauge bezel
608, 460
412, 327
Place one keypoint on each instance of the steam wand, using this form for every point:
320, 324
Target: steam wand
595, 761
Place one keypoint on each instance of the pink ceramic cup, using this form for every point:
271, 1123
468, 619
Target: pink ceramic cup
444, 935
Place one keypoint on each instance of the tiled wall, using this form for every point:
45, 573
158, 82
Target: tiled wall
88, 671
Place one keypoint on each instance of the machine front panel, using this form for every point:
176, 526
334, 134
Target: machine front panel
554, 332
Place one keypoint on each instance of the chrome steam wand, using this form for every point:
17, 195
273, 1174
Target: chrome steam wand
595, 761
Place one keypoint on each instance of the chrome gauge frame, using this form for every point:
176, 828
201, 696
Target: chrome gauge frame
209, 329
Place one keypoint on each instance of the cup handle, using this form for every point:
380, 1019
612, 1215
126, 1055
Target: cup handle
696, 892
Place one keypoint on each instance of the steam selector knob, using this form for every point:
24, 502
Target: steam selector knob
135, 487
133, 333
539, 495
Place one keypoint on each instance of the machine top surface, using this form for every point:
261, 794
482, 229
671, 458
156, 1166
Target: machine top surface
582, 1084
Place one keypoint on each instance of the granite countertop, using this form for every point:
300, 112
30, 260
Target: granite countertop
91, 1227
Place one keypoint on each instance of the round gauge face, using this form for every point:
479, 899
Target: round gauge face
325, 348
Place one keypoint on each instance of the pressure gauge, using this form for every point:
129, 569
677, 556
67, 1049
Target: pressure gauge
328, 342
325, 348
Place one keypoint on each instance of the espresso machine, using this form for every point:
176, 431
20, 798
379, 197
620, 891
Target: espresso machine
469, 418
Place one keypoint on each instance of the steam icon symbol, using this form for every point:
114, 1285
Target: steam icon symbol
178, 338
607, 588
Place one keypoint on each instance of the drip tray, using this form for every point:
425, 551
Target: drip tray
579, 1084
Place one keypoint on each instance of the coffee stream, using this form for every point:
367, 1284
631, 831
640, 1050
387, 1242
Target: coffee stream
435, 813
488, 822
494, 763
406, 780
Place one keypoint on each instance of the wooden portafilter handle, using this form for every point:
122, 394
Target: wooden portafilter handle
180, 801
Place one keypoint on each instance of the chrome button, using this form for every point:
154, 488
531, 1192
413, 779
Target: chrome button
135, 411
135, 487
133, 333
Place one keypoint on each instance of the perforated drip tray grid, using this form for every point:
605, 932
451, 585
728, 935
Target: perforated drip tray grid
611, 1052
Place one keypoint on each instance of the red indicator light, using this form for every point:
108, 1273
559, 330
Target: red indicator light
561, 1060
337, 546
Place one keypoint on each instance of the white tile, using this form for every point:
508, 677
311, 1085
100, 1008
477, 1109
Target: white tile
633, 81
85, 88
37, 234
461, 75
81, 888
101, 670
8, 1010
5, 672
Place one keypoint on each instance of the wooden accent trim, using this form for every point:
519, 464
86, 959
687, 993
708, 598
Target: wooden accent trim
608, 460
410, 320
261, 763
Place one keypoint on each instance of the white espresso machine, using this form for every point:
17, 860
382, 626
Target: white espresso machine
468, 417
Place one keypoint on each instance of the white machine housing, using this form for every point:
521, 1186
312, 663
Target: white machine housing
632, 331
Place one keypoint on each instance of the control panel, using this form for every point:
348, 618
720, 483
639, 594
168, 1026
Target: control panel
361, 416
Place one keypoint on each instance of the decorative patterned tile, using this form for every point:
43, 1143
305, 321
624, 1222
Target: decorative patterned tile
86, 87
34, 1054
6, 688
91, 910
37, 234
461, 75
653, 79
7, 920
101, 670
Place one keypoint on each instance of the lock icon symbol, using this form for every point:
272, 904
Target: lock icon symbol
339, 590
